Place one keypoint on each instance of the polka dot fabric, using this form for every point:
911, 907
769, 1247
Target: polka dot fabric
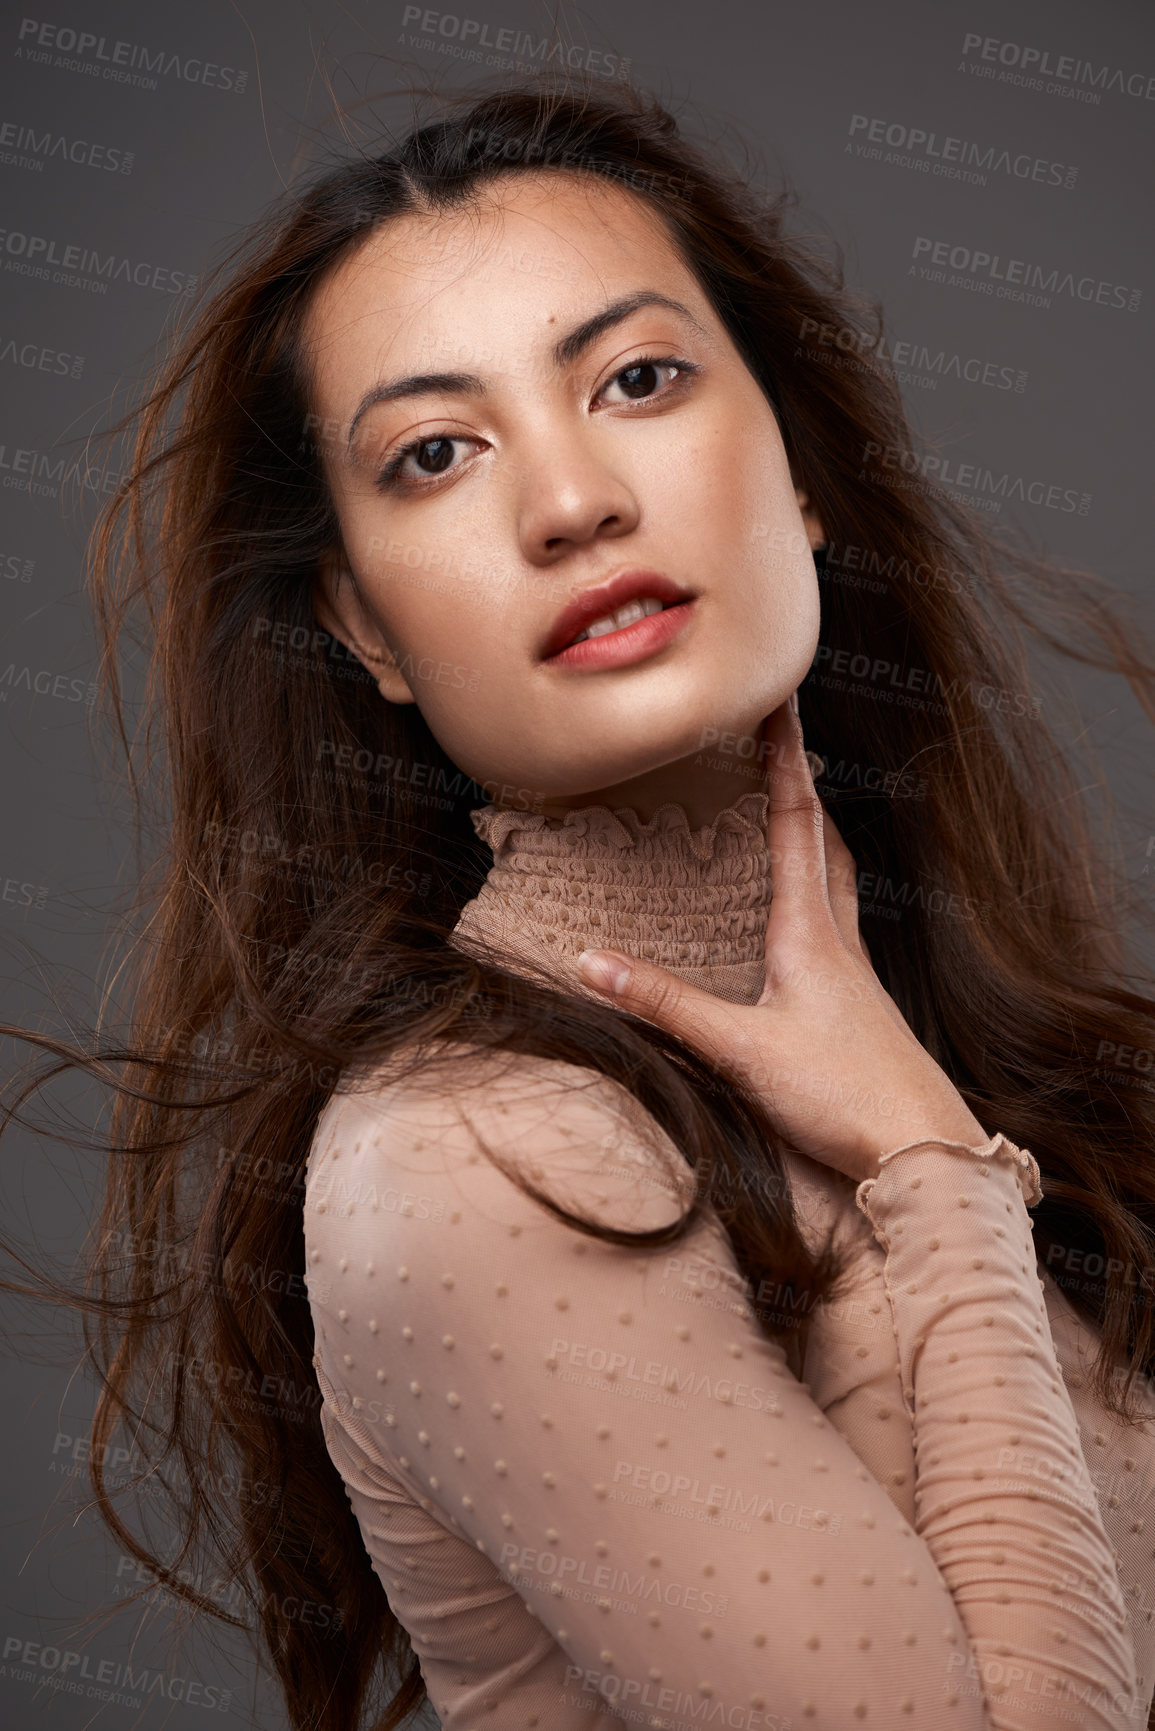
592, 1489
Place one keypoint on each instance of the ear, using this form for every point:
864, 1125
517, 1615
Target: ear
815, 533
340, 611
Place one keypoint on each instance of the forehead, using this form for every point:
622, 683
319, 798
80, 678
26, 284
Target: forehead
531, 254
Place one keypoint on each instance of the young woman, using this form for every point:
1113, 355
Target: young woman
664, 1334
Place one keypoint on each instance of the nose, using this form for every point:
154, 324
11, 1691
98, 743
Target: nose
570, 494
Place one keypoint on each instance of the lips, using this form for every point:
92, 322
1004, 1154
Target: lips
596, 604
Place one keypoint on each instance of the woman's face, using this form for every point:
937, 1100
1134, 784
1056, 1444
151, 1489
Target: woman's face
522, 402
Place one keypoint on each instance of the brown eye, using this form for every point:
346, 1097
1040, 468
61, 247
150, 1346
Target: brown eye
428, 456
640, 380
650, 376
434, 455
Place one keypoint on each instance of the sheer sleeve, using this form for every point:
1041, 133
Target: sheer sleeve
641, 1512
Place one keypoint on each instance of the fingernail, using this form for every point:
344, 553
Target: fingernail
604, 970
792, 700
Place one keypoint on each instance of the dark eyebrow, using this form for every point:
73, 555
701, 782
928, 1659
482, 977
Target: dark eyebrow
569, 348
566, 350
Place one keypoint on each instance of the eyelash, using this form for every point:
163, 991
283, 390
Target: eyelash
390, 478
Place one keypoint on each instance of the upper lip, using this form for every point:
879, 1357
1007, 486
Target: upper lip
606, 598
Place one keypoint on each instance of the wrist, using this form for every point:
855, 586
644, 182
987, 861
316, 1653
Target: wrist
986, 1150
862, 1160
959, 1129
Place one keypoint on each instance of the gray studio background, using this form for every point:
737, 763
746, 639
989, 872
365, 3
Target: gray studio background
167, 170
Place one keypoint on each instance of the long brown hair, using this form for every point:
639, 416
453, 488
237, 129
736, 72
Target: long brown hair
319, 850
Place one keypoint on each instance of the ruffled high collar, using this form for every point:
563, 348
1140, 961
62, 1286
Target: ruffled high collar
695, 901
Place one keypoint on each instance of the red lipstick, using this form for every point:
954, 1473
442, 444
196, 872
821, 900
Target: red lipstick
629, 643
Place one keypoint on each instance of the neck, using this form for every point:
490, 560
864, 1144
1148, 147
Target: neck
694, 898
704, 784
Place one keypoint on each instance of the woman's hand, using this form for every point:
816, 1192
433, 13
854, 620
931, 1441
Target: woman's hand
824, 1048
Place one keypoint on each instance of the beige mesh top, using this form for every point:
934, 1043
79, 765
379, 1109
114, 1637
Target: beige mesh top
594, 1492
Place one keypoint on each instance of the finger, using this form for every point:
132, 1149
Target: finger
842, 878
794, 829
842, 885
657, 996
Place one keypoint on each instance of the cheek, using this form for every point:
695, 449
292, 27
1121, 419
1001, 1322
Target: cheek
731, 478
426, 570
429, 620
420, 590
444, 632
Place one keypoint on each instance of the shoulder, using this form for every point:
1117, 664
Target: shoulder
465, 1131
420, 1217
